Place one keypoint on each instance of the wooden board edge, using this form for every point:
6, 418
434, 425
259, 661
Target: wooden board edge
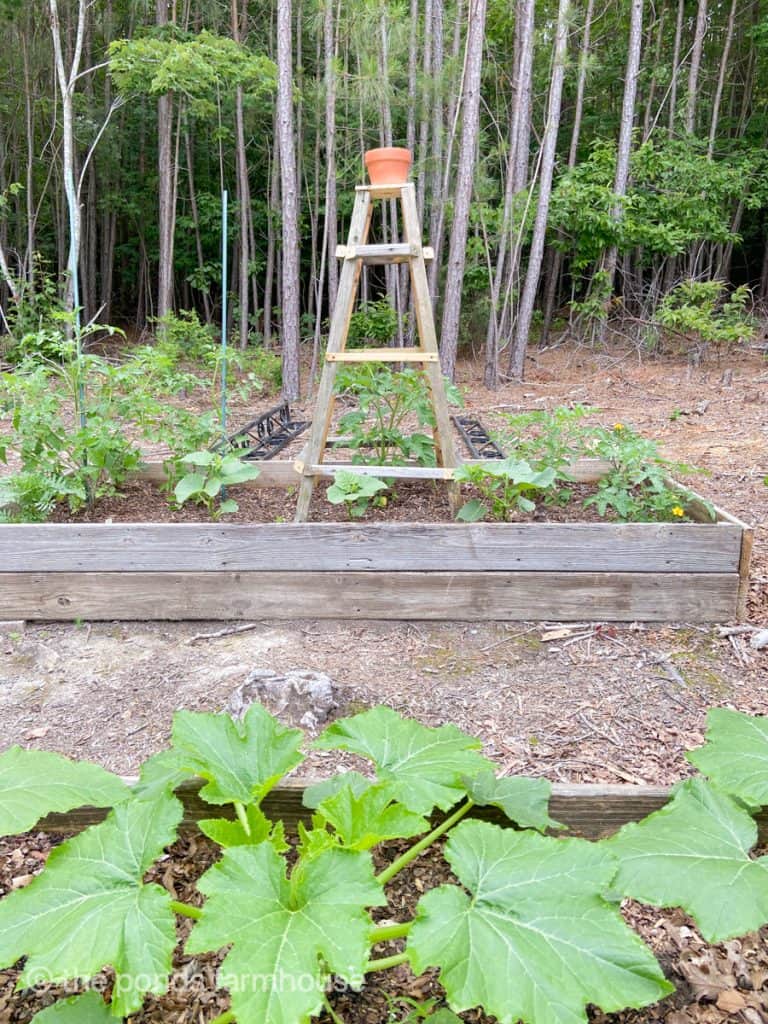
747, 541
283, 472
443, 596
590, 810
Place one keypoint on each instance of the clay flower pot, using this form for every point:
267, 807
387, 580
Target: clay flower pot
388, 166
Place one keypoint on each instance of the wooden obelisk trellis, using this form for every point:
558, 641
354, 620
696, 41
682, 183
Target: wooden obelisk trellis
354, 254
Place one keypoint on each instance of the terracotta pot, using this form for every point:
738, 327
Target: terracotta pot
388, 166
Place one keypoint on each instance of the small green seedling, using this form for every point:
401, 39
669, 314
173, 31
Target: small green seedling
212, 473
355, 491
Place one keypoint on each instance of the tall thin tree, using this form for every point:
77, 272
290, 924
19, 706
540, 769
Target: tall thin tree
464, 184
289, 320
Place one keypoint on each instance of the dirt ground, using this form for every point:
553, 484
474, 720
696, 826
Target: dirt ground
584, 702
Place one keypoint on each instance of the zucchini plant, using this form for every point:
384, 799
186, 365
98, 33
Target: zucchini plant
544, 911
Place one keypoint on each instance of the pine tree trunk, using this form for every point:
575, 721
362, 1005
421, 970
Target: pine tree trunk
331, 215
289, 204
464, 182
243, 189
548, 147
675, 65
693, 73
625, 132
721, 80
166, 205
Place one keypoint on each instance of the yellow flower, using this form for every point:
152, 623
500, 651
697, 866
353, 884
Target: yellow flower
618, 426
677, 511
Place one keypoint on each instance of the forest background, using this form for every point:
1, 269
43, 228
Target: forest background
595, 166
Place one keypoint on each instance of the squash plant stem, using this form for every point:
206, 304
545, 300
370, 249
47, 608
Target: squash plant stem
418, 848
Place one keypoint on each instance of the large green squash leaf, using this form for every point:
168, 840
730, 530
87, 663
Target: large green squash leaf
524, 801
362, 821
424, 765
288, 936
90, 909
533, 940
242, 761
735, 755
34, 783
694, 854
86, 1009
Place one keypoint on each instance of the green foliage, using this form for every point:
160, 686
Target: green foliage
86, 1009
506, 485
60, 461
638, 487
212, 472
424, 767
676, 196
196, 66
543, 910
710, 874
735, 756
34, 783
700, 308
516, 915
354, 490
387, 401
373, 323
548, 440
90, 907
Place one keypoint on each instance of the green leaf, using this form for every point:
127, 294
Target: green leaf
313, 795
241, 761
199, 458
444, 1017
86, 1009
472, 511
288, 936
694, 854
34, 783
241, 472
232, 833
536, 913
212, 485
425, 766
735, 756
524, 801
190, 484
89, 908
228, 506
362, 821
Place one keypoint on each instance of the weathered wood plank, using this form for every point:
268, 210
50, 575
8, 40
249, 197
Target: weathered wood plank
589, 810
382, 355
283, 473
466, 596
333, 547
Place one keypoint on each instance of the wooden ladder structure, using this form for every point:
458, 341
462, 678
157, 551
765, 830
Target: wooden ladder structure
354, 254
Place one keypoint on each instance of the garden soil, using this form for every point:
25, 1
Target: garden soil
582, 702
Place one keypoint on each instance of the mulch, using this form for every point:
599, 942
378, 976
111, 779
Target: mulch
714, 983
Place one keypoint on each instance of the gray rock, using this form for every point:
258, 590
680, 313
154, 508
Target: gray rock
759, 640
298, 697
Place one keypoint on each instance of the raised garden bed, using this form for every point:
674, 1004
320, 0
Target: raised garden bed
696, 571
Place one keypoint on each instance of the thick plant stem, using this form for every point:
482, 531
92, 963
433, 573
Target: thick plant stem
242, 815
390, 931
186, 910
331, 1012
385, 962
418, 848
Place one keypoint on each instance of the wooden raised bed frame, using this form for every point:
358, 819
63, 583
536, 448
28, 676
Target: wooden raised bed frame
619, 572
590, 810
